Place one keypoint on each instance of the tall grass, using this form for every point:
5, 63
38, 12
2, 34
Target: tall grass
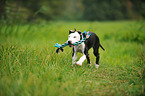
30, 66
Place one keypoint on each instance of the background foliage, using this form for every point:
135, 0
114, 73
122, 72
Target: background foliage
32, 10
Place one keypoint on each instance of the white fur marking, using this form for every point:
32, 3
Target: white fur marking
81, 60
74, 37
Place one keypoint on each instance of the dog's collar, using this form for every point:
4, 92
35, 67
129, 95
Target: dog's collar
84, 36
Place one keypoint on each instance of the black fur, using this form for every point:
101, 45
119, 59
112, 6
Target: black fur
92, 42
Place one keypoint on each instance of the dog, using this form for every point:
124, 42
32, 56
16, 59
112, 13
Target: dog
92, 41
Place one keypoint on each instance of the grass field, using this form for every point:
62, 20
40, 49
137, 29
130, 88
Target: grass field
29, 65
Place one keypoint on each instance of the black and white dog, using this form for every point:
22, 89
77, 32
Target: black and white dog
91, 41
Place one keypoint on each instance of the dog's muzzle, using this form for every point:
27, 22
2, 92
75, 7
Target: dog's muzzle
70, 44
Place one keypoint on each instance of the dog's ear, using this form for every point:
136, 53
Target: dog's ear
79, 32
84, 35
75, 30
71, 31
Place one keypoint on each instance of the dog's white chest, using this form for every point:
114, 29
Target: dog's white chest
80, 48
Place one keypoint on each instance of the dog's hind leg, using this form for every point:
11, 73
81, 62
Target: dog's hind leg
96, 53
87, 56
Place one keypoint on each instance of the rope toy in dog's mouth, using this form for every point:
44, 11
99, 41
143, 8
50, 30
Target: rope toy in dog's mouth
60, 47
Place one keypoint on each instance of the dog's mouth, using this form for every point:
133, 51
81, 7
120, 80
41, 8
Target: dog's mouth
70, 44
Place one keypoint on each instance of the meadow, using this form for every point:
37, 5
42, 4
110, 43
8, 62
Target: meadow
29, 65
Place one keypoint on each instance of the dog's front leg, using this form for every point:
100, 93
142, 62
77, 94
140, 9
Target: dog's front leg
74, 57
81, 60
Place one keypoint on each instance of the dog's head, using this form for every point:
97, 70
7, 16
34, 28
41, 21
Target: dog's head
74, 36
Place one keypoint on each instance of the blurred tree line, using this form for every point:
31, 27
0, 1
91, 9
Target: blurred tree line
36, 10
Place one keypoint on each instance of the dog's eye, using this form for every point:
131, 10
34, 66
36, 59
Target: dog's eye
75, 37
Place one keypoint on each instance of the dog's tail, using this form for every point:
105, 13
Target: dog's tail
101, 47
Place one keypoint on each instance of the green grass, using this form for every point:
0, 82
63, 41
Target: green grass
30, 66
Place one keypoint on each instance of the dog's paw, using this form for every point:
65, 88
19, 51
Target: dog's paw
73, 62
96, 66
79, 63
